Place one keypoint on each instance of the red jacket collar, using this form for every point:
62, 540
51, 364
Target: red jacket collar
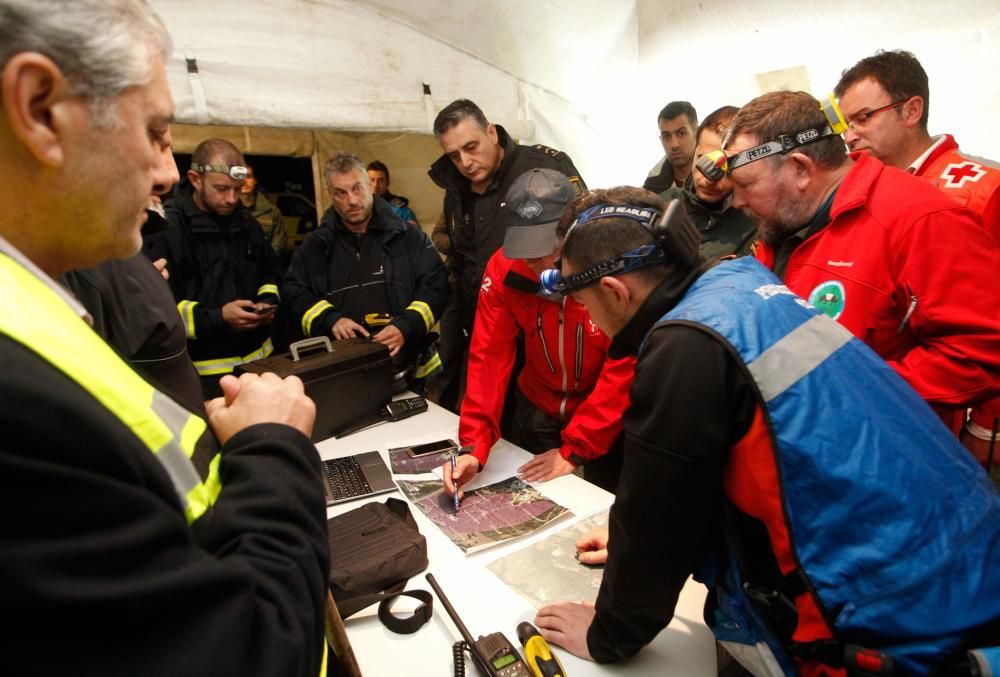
947, 146
857, 184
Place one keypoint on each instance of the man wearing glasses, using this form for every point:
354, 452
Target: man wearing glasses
222, 268
886, 101
904, 268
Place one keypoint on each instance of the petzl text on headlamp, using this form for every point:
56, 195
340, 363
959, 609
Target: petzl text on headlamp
718, 163
236, 172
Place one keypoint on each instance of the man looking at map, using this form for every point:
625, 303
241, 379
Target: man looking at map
752, 455
569, 396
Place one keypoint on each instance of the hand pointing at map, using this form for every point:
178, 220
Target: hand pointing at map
466, 468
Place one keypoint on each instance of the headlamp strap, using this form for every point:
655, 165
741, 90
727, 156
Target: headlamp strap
785, 143
647, 216
640, 257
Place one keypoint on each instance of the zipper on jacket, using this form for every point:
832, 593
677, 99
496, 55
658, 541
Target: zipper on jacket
562, 362
579, 357
545, 350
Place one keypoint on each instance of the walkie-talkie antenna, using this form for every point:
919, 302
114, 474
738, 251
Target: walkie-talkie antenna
480, 658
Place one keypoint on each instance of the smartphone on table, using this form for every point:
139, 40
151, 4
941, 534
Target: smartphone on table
435, 447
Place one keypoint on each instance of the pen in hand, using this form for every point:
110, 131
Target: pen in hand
454, 458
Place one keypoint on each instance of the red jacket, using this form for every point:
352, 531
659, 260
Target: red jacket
977, 186
566, 374
912, 274
968, 181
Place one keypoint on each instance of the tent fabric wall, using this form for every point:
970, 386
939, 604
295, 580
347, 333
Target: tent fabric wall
361, 67
584, 76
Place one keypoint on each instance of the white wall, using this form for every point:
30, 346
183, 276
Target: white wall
710, 52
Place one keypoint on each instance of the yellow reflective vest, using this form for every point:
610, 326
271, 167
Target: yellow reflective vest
37, 318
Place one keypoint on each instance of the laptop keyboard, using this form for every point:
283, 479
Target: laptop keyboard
345, 478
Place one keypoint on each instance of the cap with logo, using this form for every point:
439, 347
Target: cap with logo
531, 211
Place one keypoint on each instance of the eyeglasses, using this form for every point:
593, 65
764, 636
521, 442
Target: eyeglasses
861, 120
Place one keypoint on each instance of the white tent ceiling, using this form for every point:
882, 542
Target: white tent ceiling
586, 76
337, 64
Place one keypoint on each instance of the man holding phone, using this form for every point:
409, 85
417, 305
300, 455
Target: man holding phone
222, 268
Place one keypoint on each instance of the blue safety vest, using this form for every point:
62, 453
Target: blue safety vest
894, 526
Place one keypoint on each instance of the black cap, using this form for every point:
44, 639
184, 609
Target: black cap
534, 203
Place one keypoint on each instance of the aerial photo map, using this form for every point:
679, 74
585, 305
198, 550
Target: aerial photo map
548, 571
488, 515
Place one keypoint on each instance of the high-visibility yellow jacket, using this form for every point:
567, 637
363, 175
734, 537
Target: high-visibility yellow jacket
131, 543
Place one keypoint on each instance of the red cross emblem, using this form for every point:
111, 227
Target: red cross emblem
956, 174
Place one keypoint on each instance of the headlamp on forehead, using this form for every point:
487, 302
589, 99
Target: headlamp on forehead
236, 172
677, 240
553, 281
715, 165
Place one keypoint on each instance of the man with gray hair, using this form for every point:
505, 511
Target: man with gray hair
131, 540
479, 164
365, 272
222, 266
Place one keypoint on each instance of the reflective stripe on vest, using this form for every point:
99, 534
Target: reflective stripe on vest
892, 523
43, 323
794, 356
225, 365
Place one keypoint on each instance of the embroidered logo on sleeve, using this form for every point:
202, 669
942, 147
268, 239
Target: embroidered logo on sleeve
957, 174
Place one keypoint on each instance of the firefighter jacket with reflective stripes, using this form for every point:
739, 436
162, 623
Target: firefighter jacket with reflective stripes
322, 276
567, 372
213, 260
125, 520
888, 524
135, 312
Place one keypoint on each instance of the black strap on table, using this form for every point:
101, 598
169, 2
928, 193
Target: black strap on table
401, 626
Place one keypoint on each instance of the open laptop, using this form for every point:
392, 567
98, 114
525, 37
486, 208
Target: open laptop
356, 476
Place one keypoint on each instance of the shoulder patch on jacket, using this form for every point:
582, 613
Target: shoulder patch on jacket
551, 152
